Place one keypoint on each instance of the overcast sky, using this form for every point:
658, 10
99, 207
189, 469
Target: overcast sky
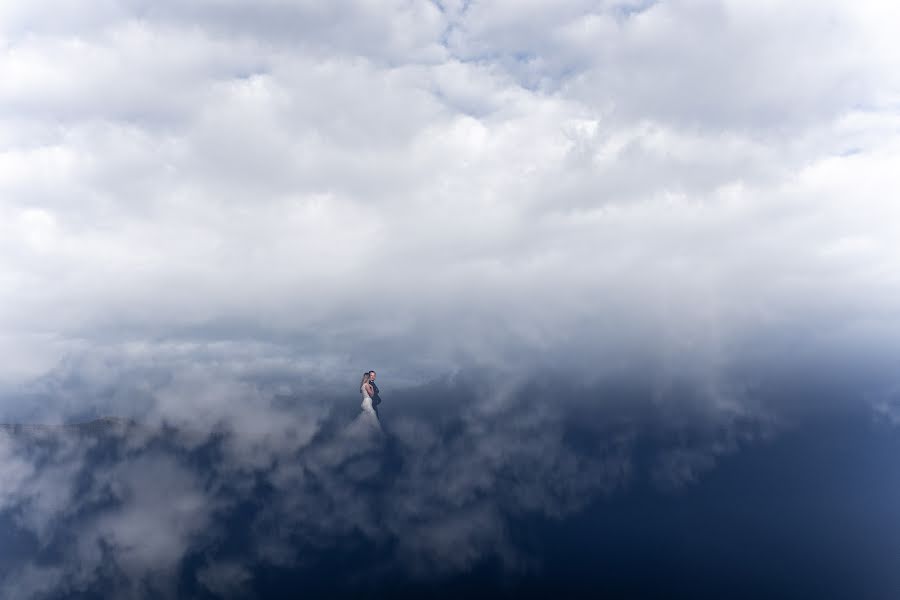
209, 208
417, 187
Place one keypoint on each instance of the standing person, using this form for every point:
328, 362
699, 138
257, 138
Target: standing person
376, 399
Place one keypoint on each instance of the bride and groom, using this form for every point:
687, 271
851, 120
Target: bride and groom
370, 397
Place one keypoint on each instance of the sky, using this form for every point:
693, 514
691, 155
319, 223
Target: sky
420, 187
630, 220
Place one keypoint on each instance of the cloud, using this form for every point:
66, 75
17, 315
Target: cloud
129, 507
212, 215
225, 579
472, 190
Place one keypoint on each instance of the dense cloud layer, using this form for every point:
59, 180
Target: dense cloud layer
220, 491
621, 240
427, 186
198, 505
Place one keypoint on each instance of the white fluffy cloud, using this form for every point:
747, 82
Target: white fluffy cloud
419, 186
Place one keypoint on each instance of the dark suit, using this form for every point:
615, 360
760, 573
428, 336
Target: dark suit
376, 399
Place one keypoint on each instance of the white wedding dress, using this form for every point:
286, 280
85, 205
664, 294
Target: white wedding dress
368, 415
360, 436
366, 400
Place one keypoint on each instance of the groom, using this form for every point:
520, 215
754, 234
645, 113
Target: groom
376, 399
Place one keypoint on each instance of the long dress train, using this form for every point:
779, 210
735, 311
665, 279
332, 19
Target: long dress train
367, 419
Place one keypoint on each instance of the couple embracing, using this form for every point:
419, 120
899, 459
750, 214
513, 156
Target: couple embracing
369, 391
